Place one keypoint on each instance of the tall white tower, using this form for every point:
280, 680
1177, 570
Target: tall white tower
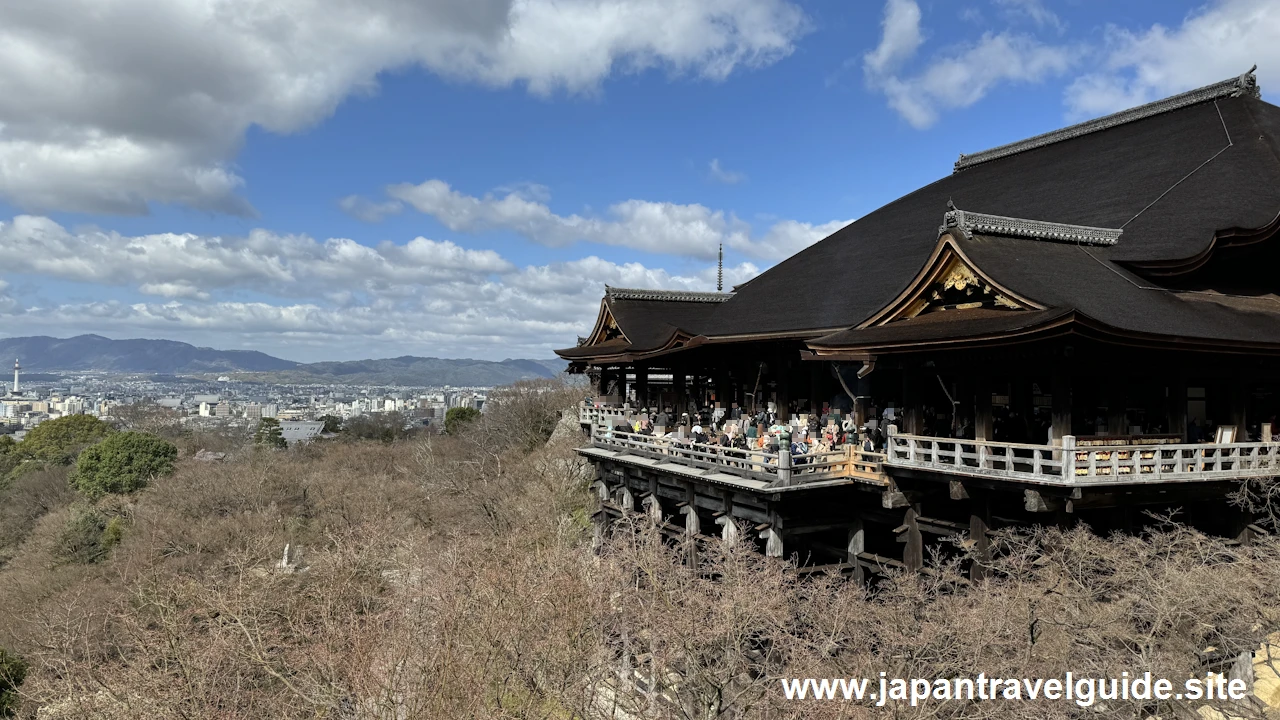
16, 369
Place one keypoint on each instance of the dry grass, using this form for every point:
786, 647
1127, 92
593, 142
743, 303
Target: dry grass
453, 577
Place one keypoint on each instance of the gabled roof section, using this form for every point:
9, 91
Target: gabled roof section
634, 323
614, 293
1242, 86
949, 281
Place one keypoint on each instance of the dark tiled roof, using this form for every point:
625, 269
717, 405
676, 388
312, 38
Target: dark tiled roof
1170, 176
947, 325
1149, 177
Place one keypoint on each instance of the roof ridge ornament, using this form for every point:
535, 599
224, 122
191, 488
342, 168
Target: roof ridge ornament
668, 295
1245, 84
970, 223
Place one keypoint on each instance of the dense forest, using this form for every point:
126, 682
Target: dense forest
459, 576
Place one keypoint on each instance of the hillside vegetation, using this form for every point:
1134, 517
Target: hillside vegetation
456, 577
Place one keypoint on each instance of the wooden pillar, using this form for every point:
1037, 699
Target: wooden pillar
642, 385
1239, 408
983, 424
783, 394
1061, 410
1020, 403
913, 552
602, 382
680, 384
979, 524
1176, 399
912, 422
692, 527
857, 544
815, 386
1117, 406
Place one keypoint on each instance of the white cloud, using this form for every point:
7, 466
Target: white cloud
692, 230
109, 107
719, 174
1217, 41
899, 40
958, 76
1033, 10
363, 209
177, 265
317, 300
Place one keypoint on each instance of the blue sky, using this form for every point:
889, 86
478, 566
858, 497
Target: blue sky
459, 178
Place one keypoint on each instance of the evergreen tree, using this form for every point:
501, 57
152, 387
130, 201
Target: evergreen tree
269, 434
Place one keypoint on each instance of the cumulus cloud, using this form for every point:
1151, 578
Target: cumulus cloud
178, 265
110, 107
721, 175
958, 76
1034, 11
1217, 41
691, 230
368, 211
324, 299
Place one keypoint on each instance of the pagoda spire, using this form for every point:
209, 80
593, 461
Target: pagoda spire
720, 271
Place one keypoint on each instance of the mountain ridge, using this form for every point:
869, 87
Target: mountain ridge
149, 356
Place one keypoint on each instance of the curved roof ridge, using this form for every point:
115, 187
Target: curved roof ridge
1242, 85
970, 223
667, 295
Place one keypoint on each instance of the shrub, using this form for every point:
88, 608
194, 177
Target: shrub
12, 672
385, 426
59, 441
459, 416
122, 463
332, 423
81, 538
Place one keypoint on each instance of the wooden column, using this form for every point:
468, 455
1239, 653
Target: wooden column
1061, 410
602, 382
642, 385
912, 415
1176, 411
680, 385
815, 386
783, 394
1239, 408
983, 424
1117, 401
913, 552
979, 524
857, 544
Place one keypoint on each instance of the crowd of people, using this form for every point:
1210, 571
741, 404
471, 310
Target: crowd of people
762, 431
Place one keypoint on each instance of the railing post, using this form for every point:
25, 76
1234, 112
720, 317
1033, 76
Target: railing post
784, 458
1068, 468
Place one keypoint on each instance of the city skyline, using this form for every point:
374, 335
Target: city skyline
457, 181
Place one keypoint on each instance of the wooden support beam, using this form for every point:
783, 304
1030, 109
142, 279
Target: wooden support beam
983, 420
1061, 409
957, 490
1117, 406
979, 535
913, 552
1035, 501
855, 546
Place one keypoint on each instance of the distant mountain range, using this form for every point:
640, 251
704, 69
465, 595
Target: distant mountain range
167, 357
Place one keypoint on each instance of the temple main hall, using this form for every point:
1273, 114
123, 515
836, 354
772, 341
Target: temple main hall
1076, 327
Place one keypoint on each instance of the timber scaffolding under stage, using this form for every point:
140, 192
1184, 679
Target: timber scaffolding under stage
1082, 326
867, 512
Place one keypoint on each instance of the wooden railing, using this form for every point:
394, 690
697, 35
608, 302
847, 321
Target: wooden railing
1093, 465
755, 464
777, 469
595, 414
